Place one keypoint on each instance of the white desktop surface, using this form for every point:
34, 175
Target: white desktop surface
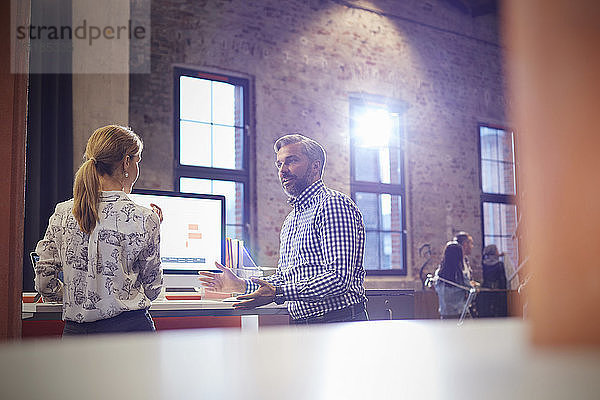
370, 360
29, 309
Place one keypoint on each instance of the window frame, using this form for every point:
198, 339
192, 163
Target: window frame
210, 173
394, 106
497, 198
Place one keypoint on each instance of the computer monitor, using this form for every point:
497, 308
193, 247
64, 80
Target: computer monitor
192, 232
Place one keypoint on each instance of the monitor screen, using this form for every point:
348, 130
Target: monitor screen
192, 231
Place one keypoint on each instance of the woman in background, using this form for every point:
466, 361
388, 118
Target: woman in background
106, 246
451, 282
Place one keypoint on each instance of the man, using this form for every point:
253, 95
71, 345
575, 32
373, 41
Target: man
320, 271
466, 241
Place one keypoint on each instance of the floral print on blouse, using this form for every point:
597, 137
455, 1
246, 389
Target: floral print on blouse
116, 268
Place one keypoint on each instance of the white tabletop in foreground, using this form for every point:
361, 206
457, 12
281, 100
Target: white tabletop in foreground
372, 360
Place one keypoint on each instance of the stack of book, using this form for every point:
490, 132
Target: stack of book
238, 258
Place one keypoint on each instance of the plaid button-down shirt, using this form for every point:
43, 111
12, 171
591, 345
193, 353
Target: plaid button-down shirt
321, 251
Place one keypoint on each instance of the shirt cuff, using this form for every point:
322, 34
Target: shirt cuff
289, 292
251, 286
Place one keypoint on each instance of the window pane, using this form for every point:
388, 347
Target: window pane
391, 212
233, 192
508, 178
391, 250
489, 221
497, 161
386, 251
500, 223
193, 185
505, 140
489, 177
384, 165
239, 148
395, 166
489, 148
381, 165
509, 218
382, 212
376, 141
371, 260
366, 164
386, 211
511, 249
195, 144
239, 106
223, 147
368, 205
228, 147
371, 126
234, 231
223, 103
497, 177
194, 99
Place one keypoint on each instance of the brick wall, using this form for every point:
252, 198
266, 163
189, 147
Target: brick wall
303, 59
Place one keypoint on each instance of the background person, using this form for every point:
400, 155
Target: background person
467, 244
451, 282
495, 276
106, 246
320, 271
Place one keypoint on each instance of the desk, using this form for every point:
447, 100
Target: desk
390, 304
177, 314
41, 318
488, 359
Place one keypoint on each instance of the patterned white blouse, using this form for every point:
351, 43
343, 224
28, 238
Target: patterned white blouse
114, 269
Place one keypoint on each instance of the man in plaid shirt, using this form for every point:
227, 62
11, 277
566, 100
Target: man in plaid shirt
320, 271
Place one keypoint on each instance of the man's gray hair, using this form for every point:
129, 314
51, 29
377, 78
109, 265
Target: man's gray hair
312, 149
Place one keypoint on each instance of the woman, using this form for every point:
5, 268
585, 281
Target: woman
106, 246
451, 282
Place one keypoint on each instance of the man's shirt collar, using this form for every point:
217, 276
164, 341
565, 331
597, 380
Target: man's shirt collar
303, 199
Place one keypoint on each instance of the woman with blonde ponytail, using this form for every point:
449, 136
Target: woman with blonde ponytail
106, 246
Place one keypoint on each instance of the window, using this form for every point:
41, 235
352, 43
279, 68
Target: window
498, 189
377, 181
211, 151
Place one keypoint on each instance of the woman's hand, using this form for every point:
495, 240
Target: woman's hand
158, 211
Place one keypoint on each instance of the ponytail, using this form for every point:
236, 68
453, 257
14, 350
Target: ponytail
86, 193
106, 148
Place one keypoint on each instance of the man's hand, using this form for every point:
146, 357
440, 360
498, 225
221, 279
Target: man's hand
265, 294
225, 282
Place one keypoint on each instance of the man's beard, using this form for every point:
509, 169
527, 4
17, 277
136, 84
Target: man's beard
299, 184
